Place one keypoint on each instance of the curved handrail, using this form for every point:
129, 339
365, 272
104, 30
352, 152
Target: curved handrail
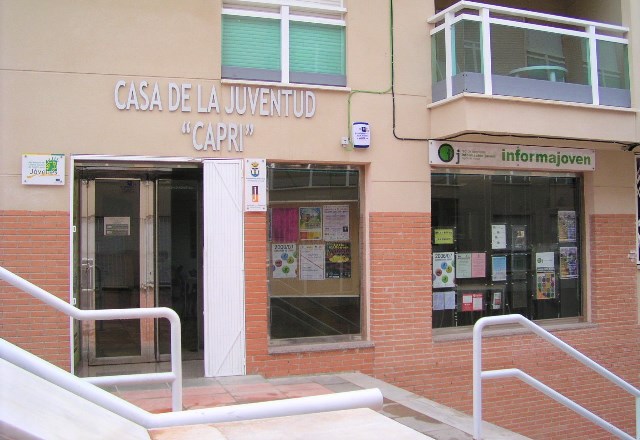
367, 398
478, 374
175, 377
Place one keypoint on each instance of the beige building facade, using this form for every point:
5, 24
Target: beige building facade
330, 185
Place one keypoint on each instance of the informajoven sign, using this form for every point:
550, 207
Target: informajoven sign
473, 155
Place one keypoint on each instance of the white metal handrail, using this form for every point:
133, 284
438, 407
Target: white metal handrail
368, 398
174, 377
478, 375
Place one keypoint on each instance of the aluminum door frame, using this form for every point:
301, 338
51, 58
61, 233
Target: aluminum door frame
88, 272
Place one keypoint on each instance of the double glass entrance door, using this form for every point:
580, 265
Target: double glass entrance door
138, 240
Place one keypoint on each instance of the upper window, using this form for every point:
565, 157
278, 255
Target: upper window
285, 44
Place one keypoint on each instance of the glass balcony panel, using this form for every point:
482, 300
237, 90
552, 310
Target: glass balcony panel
537, 64
613, 65
438, 57
545, 56
540, 63
467, 47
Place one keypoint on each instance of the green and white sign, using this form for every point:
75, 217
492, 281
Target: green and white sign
503, 156
43, 169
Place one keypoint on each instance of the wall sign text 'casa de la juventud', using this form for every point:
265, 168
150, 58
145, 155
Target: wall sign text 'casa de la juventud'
239, 100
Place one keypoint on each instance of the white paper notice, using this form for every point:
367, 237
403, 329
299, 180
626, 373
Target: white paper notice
545, 262
335, 222
463, 265
450, 300
311, 262
438, 300
498, 236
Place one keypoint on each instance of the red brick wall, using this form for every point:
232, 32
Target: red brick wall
407, 356
35, 246
400, 295
259, 361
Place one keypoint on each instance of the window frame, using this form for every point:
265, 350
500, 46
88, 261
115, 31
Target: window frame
285, 14
462, 330
357, 250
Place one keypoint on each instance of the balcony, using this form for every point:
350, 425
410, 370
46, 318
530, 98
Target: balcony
494, 50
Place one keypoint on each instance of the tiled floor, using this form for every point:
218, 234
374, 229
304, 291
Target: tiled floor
420, 414
208, 393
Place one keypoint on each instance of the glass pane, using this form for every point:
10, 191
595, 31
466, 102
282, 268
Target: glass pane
438, 57
505, 244
467, 47
250, 42
117, 259
317, 54
316, 48
178, 226
314, 252
539, 55
613, 65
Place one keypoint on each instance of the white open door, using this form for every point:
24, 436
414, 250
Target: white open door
224, 324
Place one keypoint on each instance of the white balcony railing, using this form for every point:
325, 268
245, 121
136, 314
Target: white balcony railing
495, 50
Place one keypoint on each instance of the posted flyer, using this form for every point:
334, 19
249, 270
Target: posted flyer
284, 257
545, 285
498, 236
312, 262
499, 268
335, 222
463, 265
310, 221
444, 273
338, 260
566, 226
568, 262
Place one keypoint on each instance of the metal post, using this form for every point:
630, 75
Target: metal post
477, 379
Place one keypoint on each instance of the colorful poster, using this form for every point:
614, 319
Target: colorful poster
566, 226
443, 236
545, 262
311, 262
335, 222
284, 258
499, 268
498, 236
463, 265
284, 225
472, 302
337, 260
310, 221
444, 273
545, 285
478, 265
568, 262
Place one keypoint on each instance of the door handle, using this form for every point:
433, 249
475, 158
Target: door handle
87, 279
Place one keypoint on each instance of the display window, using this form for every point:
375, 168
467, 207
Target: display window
505, 244
314, 253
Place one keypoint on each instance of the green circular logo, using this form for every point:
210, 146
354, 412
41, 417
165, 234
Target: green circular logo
446, 152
